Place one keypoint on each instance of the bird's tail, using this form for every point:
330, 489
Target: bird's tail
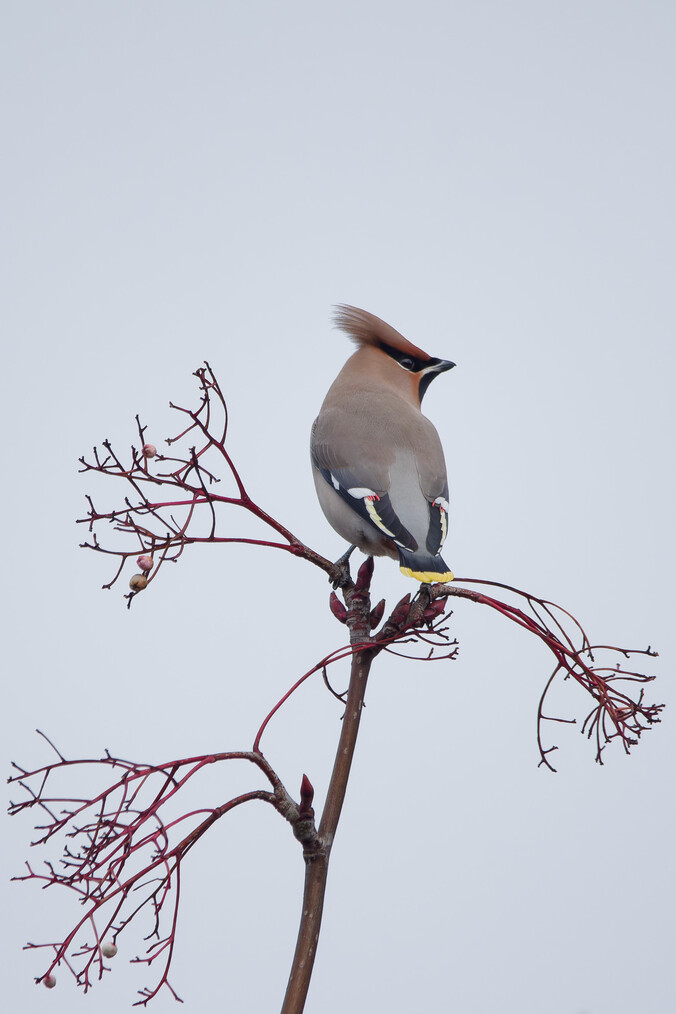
423, 567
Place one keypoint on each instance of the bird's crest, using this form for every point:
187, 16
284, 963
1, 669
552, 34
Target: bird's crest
365, 328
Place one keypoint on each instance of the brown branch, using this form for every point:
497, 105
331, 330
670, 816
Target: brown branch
317, 859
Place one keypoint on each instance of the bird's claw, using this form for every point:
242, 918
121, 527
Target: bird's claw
341, 570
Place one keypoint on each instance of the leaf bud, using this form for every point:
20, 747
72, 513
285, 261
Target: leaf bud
401, 611
377, 614
337, 608
307, 794
364, 575
434, 609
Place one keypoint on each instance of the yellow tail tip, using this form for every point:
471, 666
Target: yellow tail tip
427, 576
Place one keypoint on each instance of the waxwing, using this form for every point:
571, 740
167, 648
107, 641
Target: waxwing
377, 461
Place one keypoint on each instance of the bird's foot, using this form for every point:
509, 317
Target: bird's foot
341, 569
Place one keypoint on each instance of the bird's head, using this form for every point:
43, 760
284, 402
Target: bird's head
369, 332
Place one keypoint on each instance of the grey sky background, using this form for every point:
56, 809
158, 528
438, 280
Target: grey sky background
189, 181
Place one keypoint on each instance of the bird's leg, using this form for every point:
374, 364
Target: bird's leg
419, 605
341, 574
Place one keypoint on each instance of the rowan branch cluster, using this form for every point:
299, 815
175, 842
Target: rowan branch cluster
157, 530
123, 845
122, 852
616, 714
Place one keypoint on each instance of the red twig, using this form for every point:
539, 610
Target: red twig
615, 713
117, 844
155, 530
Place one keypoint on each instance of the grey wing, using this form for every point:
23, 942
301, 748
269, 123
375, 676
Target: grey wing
364, 487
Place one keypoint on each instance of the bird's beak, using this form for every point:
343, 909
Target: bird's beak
432, 369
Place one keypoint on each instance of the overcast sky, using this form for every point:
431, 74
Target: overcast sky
204, 180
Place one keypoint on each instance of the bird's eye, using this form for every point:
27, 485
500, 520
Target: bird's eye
407, 363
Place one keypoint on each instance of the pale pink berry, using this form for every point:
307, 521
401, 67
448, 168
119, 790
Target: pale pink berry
109, 950
149, 450
145, 563
138, 582
49, 981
